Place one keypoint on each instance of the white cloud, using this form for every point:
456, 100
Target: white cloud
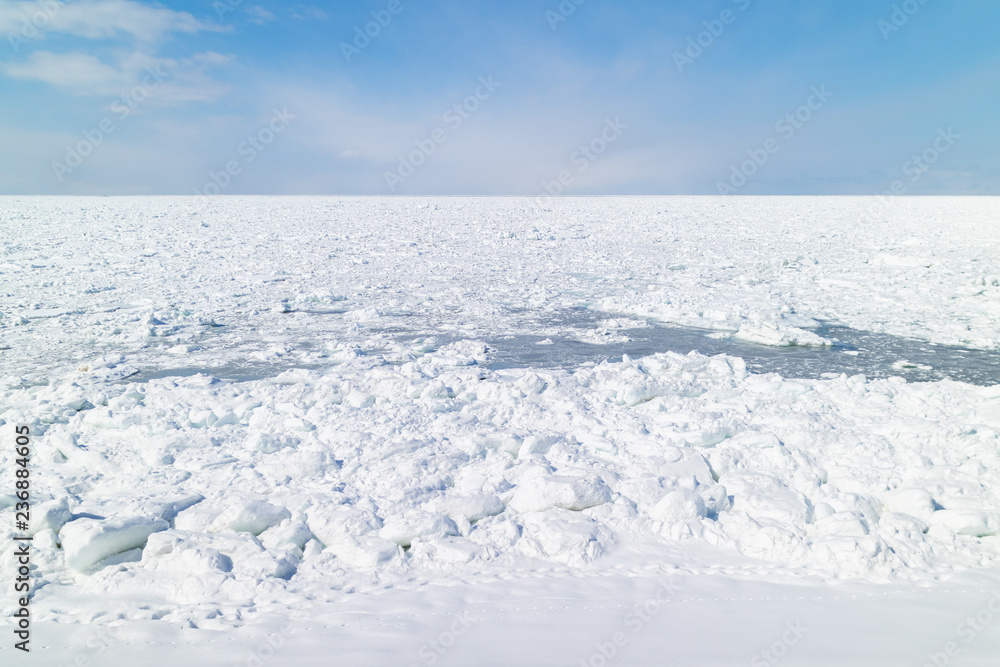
177, 81
259, 15
81, 73
66, 70
98, 19
308, 13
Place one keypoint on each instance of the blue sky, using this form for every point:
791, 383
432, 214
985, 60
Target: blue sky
601, 97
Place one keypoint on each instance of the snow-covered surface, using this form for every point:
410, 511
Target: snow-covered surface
711, 620
374, 486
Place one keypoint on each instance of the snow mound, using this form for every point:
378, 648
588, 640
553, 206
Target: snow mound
976, 523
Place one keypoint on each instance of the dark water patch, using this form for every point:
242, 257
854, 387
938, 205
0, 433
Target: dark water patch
855, 352
231, 373
571, 339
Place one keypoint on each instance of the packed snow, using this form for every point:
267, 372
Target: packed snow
368, 464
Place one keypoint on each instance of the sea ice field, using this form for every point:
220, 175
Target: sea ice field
501, 431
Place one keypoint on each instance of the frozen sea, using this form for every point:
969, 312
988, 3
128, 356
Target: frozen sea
481, 431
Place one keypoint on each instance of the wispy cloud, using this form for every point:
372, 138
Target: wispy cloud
77, 71
134, 32
308, 13
259, 15
102, 19
83, 74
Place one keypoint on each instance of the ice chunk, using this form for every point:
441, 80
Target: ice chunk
171, 552
448, 550
842, 524
572, 493
364, 550
268, 443
913, 501
51, 515
329, 522
716, 499
780, 335
535, 444
169, 510
532, 383
473, 508
250, 516
417, 524
267, 565
289, 533
89, 541
197, 518
766, 497
679, 506
568, 537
